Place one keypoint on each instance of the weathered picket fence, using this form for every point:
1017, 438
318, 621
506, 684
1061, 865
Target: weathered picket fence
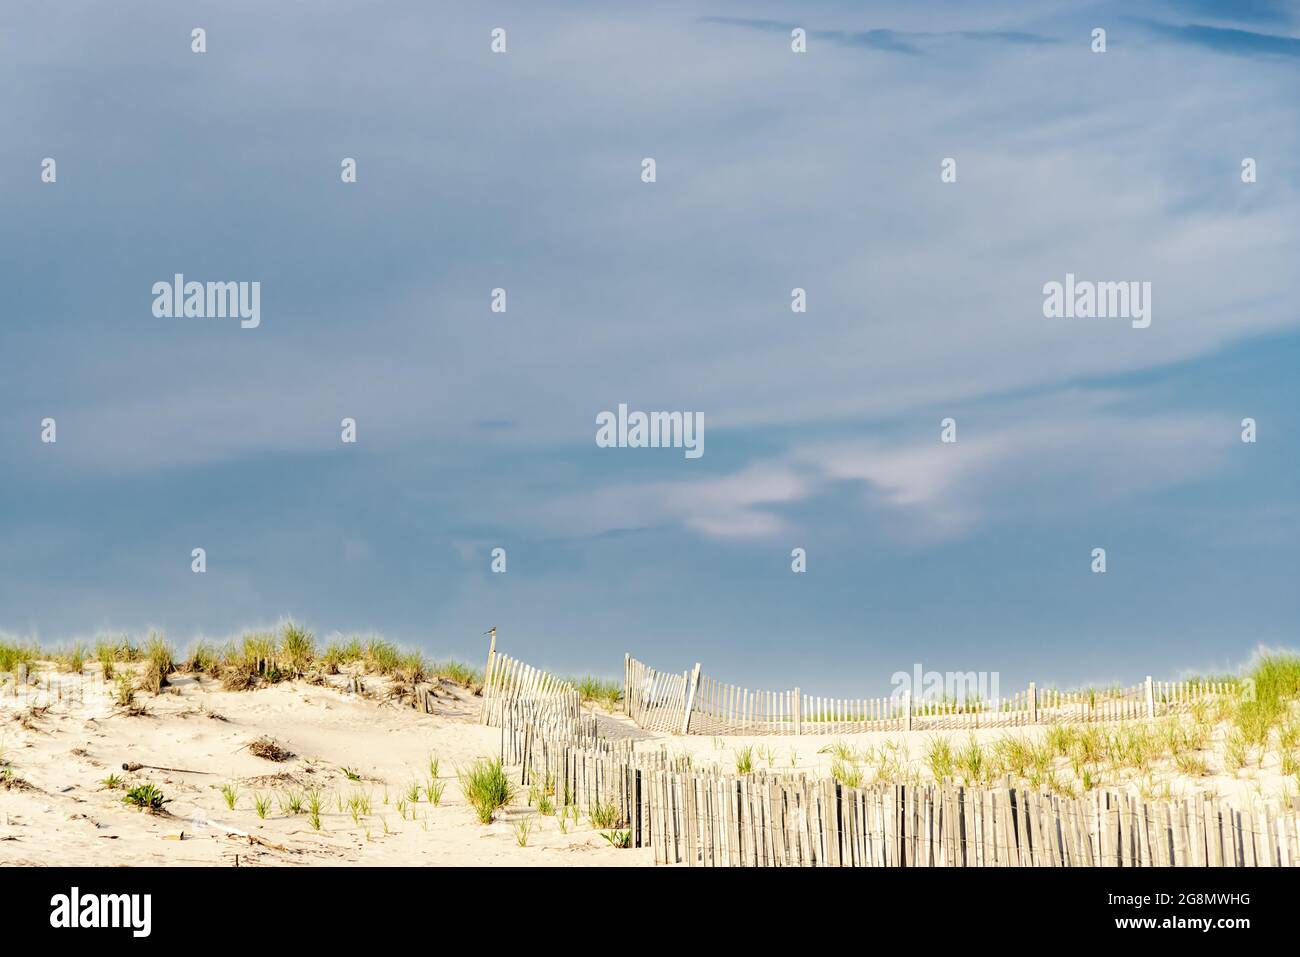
509, 684
697, 817
689, 702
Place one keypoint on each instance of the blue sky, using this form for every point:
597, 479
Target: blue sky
775, 170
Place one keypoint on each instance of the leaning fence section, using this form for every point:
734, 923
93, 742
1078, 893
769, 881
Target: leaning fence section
655, 700
689, 702
514, 691
654, 799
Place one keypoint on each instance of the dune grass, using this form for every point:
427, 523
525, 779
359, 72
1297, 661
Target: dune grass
314, 803
606, 815
123, 691
15, 653
106, 654
252, 660
459, 674
382, 657
486, 787
71, 659
603, 691
297, 648
340, 653
940, 759
159, 662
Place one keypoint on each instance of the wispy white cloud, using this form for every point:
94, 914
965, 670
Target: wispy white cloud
1045, 466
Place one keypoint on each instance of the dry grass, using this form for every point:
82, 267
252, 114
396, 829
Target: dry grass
270, 749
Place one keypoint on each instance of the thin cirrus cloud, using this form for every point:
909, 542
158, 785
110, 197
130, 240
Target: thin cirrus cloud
909, 42
928, 492
1246, 43
1245, 11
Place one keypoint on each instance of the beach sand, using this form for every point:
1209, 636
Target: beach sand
63, 736
64, 815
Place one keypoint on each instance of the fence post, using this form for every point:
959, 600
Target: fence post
487, 673
690, 699
907, 701
1033, 703
798, 712
627, 683
1151, 698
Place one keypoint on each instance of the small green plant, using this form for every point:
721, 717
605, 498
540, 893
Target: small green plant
352, 774
605, 816
618, 838
1193, 765
523, 828
146, 797
939, 757
261, 804
433, 791
545, 805
112, 782
123, 691
75, 659
1290, 763
972, 764
230, 791
1236, 751
486, 787
840, 751
106, 655
313, 808
850, 775
745, 760
413, 792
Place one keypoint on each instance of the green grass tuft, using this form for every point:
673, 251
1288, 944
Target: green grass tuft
486, 787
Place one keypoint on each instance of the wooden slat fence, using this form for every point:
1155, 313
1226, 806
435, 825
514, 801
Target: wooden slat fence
708, 818
655, 700
693, 703
509, 685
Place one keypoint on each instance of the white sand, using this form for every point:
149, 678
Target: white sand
68, 817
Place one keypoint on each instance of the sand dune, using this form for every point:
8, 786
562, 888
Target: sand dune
57, 811
63, 735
